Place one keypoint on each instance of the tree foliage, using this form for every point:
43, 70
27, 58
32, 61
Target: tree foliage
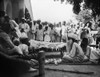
94, 5
84, 15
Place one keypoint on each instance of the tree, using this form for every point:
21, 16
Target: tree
84, 15
75, 3
94, 5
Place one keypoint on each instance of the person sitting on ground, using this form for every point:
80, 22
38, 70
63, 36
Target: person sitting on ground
25, 48
10, 66
94, 54
6, 44
74, 52
11, 27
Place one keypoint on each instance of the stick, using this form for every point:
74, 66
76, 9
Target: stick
70, 71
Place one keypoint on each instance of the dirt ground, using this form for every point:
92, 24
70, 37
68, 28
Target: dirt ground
70, 71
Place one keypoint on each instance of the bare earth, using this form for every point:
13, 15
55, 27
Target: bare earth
95, 69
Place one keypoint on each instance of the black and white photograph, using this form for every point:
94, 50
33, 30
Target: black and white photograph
49, 38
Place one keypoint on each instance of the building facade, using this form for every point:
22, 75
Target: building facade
16, 8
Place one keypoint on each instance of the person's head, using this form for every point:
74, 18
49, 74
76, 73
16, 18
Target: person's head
72, 38
2, 14
89, 25
99, 23
40, 26
7, 18
34, 22
16, 41
25, 41
46, 28
51, 26
38, 21
30, 23
23, 20
84, 33
22, 30
64, 22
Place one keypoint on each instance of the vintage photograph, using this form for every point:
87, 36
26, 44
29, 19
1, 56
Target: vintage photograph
50, 38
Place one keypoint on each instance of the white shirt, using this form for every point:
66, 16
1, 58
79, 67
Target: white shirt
24, 48
24, 26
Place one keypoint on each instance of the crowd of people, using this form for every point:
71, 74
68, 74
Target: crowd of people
84, 35
81, 43
82, 39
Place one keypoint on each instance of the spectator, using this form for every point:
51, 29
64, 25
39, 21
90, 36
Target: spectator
24, 25
23, 34
39, 33
52, 34
46, 34
31, 33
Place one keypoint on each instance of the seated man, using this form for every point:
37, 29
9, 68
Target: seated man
74, 51
94, 54
10, 66
6, 45
26, 49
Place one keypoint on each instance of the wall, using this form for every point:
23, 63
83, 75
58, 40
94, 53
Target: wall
8, 7
16, 8
1, 5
